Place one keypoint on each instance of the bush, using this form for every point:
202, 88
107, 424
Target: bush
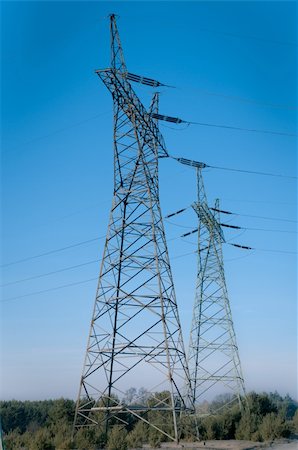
138, 436
190, 428
295, 421
117, 438
48, 424
274, 426
42, 440
247, 425
155, 438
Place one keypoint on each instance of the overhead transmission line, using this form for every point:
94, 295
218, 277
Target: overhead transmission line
49, 290
254, 172
74, 283
50, 252
177, 120
245, 100
245, 247
208, 166
174, 238
98, 260
22, 280
236, 227
64, 269
233, 227
175, 257
80, 243
253, 216
60, 130
265, 217
153, 83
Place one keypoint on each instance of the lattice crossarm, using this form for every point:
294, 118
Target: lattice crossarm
123, 92
205, 215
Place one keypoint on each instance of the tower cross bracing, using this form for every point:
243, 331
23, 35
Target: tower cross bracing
135, 334
213, 357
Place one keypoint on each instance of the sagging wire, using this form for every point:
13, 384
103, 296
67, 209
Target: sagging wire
177, 120
77, 244
202, 165
258, 217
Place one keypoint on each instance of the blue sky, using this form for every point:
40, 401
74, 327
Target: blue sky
232, 63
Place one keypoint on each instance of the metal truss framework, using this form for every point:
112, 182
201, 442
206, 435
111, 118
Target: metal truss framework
213, 358
135, 334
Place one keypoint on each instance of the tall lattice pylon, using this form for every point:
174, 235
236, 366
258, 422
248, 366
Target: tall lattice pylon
213, 358
135, 335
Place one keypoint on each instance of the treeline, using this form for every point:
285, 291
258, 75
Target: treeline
47, 425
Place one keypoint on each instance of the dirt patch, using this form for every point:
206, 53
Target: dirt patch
281, 444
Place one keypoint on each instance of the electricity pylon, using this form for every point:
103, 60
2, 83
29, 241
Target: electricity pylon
135, 336
213, 359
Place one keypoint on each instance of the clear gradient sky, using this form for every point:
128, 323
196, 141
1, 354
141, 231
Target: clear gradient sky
232, 63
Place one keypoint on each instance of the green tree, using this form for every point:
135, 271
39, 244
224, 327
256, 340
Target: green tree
295, 421
213, 427
13, 440
117, 438
275, 426
190, 428
247, 425
138, 436
84, 439
61, 410
42, 440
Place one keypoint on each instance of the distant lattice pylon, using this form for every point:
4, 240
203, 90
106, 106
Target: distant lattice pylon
213, 358
135, 335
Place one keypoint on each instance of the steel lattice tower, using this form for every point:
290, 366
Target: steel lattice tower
213, 358
135, 332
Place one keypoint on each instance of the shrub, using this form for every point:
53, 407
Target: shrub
117, 438
138, 436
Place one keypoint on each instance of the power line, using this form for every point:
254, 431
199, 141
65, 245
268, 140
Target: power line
230, 127
52, 251
49, 273
60, 130
77, 244
177, 224
258, 201
246, 100
70, 284
64, 269
177, 120
248, 248
249, 215
263, 249
275, 251
254, 172
175, 257
199, 164
266, 229
265, 217
237, 227
48, 290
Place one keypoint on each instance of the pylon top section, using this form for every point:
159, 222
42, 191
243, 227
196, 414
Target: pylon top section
117, 57
116, 78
